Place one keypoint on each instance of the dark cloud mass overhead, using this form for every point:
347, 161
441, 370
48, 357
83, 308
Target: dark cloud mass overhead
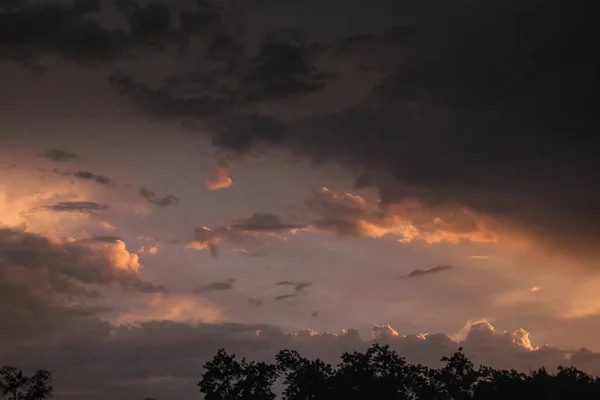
488, 105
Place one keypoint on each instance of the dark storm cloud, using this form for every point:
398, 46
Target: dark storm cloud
152, 198
59, 155
216, 286
28, 30
77, 206
284, 66
482, 104
435, 270
486, 105
70, 30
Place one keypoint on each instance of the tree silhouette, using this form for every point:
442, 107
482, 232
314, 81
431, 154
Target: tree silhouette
380, 374
227, 379
15, 385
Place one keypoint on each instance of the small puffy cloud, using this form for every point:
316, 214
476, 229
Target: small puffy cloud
204, 238
216, 286
108, 226
383, 331
152, 198
59, 155
153, 250
221, 178
121, 257
435, 270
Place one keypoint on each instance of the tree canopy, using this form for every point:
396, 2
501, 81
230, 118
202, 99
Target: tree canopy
380, 373
15, 385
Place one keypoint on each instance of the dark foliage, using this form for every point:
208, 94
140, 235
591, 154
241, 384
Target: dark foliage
380, 373
15, 385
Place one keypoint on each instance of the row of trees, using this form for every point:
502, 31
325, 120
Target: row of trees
377, 374
380, 374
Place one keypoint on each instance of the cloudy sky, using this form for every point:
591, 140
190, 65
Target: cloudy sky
183, 176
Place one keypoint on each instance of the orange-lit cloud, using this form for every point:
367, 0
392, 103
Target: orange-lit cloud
204, 238
221, 178
170, 307
383, 331
347, 214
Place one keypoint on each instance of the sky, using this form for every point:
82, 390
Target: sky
177, 177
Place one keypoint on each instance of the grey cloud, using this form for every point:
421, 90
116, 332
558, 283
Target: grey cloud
176, 352
285, 296
59, 155
261, 222
89, 176
106, 238
152, 198
52, 289
435, 270
216, 286
77, 206
298, 286
255, 302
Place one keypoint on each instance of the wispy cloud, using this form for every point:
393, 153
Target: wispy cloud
255, 302
77, 206
216, 286
422, 272
59, 155
152, 198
